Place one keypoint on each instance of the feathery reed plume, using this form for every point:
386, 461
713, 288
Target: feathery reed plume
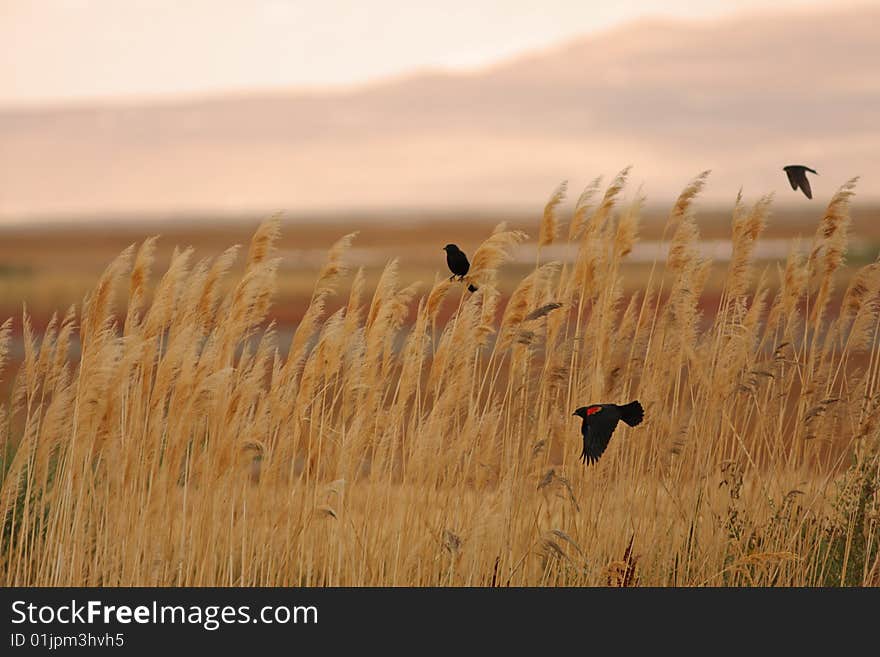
686, 198
549, 224
323, 361
597, 221
98, 304
628, 228
383, 293
57, 372
582, 208
414, 353
830, 241
858, 311
436, 296
689, 271
54, 428
190, 293
737, 347
623, 345
490, 297
248, 304
683, 247
334, 266
793, 285
140, 275
5, 336
388, 310
5, 339
546, 309
161, 311
308, 325
579, 283
451, 366
264, 240
870, 421
207, 303
353, 309
27, 383
522, 300
747, 227
860, 291
494, 251
46, 347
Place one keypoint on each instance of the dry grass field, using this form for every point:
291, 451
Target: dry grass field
170, 430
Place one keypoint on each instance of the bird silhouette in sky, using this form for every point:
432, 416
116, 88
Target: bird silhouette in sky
797, 176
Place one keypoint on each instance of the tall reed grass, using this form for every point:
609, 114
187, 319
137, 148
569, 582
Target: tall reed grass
182, 445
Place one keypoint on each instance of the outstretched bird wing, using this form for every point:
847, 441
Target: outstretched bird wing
589, 454
805, 185
597, 434
797, 177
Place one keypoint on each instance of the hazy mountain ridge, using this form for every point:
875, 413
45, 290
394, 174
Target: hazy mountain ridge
741, 96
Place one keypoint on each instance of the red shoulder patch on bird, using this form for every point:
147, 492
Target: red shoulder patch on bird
593, 409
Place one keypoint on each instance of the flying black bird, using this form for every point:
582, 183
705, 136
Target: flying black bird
797, 176
458, 264
600, 420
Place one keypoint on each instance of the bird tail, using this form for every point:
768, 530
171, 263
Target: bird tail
632, 413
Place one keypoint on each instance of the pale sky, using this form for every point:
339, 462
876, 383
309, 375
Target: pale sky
74, 51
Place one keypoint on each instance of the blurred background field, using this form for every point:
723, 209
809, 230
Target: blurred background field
50, 266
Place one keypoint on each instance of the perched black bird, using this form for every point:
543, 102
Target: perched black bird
797, 176
600, 420
458, 264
